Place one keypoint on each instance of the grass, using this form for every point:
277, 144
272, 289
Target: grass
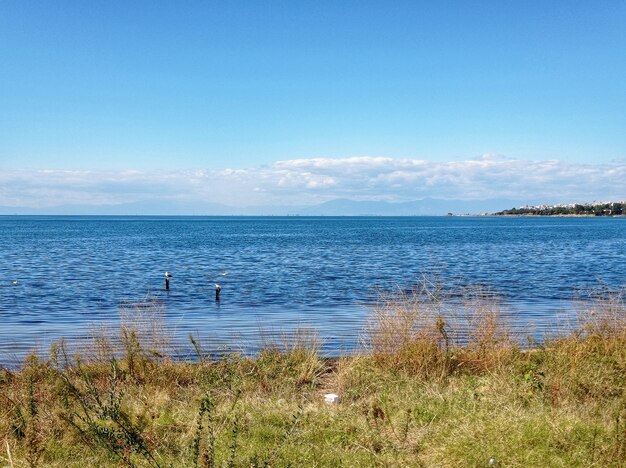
440, 382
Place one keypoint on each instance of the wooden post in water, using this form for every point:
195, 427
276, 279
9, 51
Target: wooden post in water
218, 289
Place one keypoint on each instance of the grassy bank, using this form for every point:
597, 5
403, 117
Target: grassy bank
439, 383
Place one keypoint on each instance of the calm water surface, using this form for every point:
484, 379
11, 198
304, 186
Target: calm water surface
61, 276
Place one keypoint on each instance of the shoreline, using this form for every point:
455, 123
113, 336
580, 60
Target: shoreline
492, 215
412, 400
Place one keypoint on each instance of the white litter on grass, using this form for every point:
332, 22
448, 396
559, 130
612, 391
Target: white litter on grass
331, 398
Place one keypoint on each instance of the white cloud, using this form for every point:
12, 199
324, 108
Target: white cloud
307, 181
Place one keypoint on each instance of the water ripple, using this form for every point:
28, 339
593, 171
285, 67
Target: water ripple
59, 276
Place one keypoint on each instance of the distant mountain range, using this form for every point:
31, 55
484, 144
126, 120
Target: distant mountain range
338, 207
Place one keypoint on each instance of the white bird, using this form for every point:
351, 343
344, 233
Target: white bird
168, 274
224, 273
14, 283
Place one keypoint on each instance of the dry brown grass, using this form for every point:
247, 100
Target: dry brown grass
295, 354
488, 343
406, 332
589, 362
429, 333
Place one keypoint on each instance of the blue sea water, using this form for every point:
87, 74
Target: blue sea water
62, 276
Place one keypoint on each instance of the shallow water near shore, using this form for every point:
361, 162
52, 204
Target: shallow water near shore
66, 276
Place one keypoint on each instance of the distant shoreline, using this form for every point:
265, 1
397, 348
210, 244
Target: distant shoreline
495, 215
595, 209
553, 216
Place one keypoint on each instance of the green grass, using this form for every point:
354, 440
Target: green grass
431, 389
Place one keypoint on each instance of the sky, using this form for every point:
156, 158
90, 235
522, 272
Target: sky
251, 103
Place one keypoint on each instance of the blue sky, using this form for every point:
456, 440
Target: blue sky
104, 88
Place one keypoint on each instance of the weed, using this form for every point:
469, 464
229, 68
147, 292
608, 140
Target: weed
101, 420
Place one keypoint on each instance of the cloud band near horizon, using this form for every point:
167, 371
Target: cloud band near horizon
316, 180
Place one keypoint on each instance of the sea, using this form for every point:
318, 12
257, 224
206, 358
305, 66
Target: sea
73, 276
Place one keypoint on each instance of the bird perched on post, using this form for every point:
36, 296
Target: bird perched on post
167, 280
218, 289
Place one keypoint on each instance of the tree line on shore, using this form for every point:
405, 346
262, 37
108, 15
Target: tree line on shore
587, 209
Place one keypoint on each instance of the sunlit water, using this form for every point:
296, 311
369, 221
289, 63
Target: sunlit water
64, 276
